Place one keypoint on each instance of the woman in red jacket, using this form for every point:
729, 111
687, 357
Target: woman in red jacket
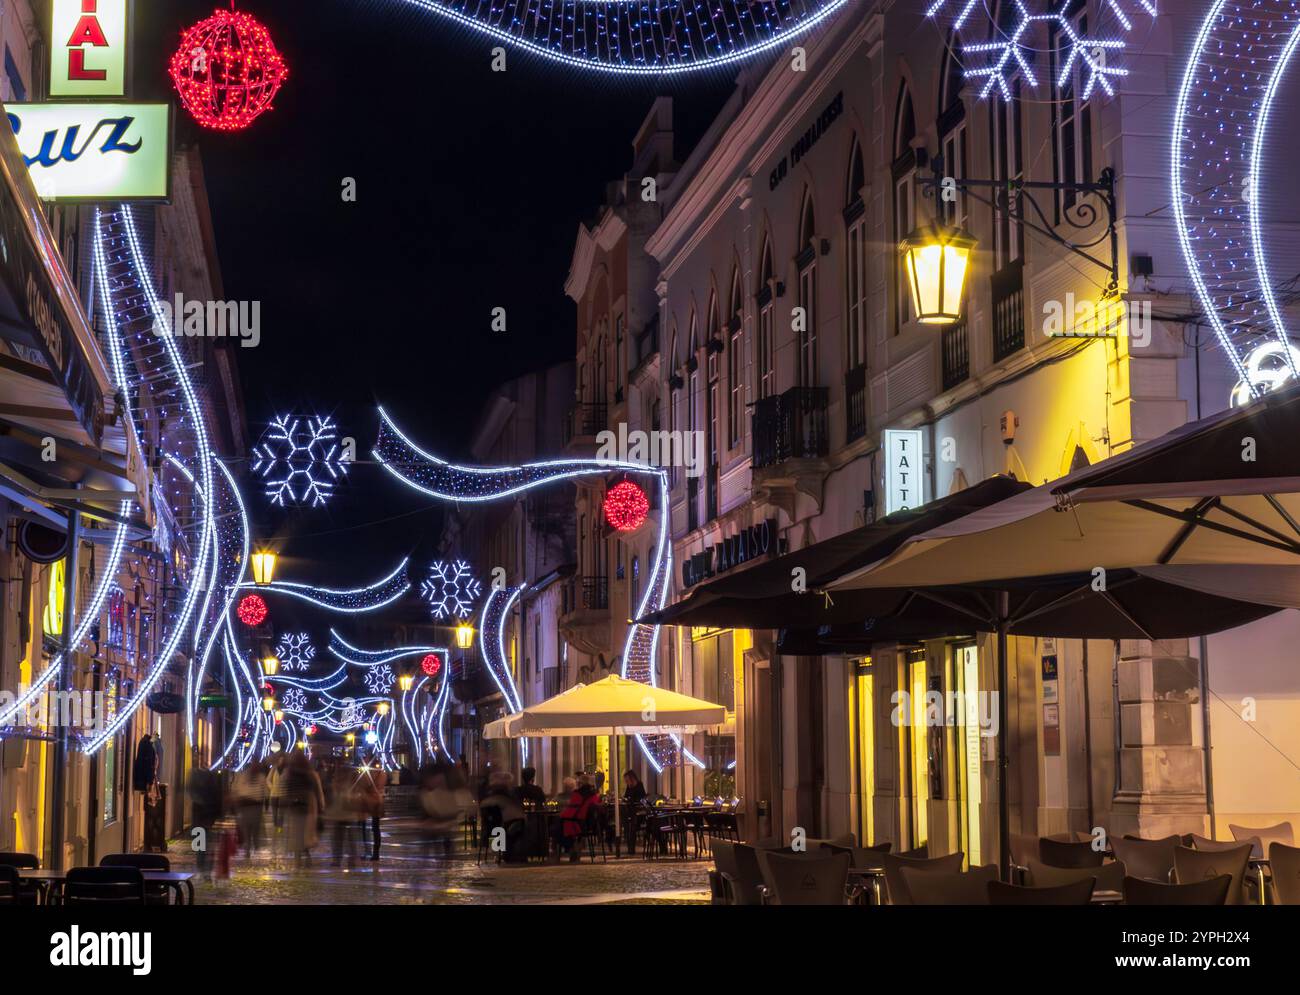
575, 815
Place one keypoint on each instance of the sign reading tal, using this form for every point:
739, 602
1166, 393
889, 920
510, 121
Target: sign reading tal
95, 152
88, 48
904, 473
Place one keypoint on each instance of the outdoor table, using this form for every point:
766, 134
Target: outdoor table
1107, 897
172, 879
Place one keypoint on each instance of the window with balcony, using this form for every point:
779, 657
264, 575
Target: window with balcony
904, 174
713, 401
855, 305
807, 262
1071, 114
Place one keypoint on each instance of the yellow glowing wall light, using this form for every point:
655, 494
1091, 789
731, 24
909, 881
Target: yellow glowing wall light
936, 260
53, 616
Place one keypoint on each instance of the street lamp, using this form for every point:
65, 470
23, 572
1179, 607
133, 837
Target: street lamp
464, 635
936, 260
268, 704
382, 707
405, 682
263, 567
270, 665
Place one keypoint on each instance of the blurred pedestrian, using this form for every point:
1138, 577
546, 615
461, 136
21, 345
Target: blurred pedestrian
501, 809
205, 809
303, 801
341, 813
368, 795
249, 795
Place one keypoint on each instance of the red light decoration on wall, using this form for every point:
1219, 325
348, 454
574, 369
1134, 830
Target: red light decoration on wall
227, 70
626, 506
431, 664
252, 610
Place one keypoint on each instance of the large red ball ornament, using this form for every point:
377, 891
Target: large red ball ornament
252, 610
431, 664
626, 506
227, 70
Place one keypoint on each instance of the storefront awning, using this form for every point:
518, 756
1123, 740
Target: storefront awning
54, 383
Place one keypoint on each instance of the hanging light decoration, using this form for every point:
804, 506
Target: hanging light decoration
431, 664
252, 610
626, 506
227, 70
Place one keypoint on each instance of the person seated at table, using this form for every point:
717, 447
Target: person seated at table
501, 809
582, 806
634, 796
528, 793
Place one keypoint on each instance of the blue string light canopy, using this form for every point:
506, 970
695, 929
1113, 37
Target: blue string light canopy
652, 37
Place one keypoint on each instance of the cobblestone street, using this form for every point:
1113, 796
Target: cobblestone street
405, 876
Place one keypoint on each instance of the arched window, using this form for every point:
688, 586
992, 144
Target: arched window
599, 372
855, 260
1071, 114
952, 132
636, 583
766, 375
713, 409
692, 422
904, 172
1006, 152
735, 362
806, 332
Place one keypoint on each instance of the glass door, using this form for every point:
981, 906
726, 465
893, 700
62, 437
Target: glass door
967, 674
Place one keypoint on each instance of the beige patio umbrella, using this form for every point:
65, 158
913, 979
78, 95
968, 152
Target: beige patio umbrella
613, 706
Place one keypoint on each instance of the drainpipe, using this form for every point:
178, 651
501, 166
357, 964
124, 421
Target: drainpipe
1205, 731
1087, 737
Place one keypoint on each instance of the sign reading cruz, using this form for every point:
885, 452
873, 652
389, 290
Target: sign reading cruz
95, 152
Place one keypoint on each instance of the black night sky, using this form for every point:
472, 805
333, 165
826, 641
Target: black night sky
471, 185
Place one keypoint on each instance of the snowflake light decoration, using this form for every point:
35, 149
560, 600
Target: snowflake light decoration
294, 700
451, 589
380, 680
351, 714
295, 651
300, 460
1009, 52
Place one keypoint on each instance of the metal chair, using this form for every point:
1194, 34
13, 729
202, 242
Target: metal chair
1266, 835
1076, 893
591, 832
937, 888
1204, 865
1285, 862
154, 894
803, 880
897, 887
1108, 877
32, 892
737, 864
1214, 891
10, 886
1059, 853
99, 886
1151, 860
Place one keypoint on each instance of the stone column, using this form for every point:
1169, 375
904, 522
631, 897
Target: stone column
1161, 783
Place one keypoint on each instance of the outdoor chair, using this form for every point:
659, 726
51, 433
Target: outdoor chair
99, 886
898, 893
154, 894
693, 823
1152, 860
1285, 861
590, 832
1204, 865
1108, 877
10, 886
665, 835
920, 853
1214, 891
722, 825
936, 888
1058, 853
1077, 893
803, 880
31, 892
1022, 848
1266, 835
737, 863
861, 857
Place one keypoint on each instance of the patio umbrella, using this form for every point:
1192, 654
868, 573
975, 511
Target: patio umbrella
1210, 508
613, 706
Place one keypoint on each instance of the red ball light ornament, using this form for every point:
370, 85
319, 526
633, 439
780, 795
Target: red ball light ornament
252, 610
431, 664
626, 506
227, 70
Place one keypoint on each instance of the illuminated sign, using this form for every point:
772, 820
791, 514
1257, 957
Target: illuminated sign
95, 152
88, 47
748, 544
904, 474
